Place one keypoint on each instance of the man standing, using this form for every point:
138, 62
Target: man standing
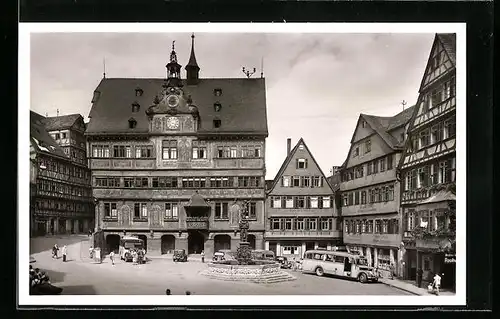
437, 283
203, 256
64, 252
111, 256
420, 273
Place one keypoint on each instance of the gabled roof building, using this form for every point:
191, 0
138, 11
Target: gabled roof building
428, 170
301, 213
370, 190
61, 197
176, 160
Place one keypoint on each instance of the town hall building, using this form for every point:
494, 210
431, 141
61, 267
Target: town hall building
174, 160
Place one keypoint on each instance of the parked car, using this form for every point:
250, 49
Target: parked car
218, 256
180, 255
284, 262
260, 254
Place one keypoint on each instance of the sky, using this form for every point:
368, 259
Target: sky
316, 84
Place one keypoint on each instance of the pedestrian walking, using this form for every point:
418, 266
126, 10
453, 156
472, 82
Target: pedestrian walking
420, 273
436, 283
90, 232
64, 252
54, 251
111, 257
203, 256
134, 257
167, 292
91, 252
391, 269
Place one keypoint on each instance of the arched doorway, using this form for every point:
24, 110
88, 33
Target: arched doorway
251, 240
167, 244
196, 242
145, 240
222, 242
112, 243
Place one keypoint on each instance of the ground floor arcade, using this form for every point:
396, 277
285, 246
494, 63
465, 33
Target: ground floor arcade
295, 248
194, 241
41, 226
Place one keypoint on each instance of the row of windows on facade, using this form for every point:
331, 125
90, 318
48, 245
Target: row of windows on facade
301, 181
435, 134
170, 151
61, 205
442, 172
77, 156
429, 219
61, 137
171, 210
136, 107
62, 189
375, 195
176, 182
438, 95
64, 168
372, 167
367, 147
377, 226
140, 92
301, 202
305, 223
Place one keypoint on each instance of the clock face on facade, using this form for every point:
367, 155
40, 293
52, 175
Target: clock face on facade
173, 123
172, 100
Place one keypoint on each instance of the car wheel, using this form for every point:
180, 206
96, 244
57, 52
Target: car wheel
319, 271
363, 278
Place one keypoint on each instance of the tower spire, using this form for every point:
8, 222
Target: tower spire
173, 69
192, 68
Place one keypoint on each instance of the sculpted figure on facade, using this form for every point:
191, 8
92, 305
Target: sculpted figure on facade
125, 215
234, 214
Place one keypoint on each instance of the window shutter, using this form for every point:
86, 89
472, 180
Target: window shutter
306, 163
296, 163
272, 202
282, 181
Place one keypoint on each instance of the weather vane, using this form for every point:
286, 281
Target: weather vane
404, 104
247, 72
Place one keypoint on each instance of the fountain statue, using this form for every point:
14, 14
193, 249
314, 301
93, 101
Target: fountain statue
245, 267
244, 252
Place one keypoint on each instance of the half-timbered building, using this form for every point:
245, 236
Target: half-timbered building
61, 196
175, 160
370, 190
428, 170
301, 213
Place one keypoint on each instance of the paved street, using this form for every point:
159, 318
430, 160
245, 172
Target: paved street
80, 276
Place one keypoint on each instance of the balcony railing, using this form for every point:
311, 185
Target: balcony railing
303, 233
197, 222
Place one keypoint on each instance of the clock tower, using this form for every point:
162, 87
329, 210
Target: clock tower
173, 110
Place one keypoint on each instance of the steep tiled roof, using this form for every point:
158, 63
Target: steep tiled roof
62, 122
243, 105
448, 40
287, 161
383, 125
40, 139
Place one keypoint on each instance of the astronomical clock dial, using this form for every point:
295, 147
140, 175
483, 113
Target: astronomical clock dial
173, 123
172, 100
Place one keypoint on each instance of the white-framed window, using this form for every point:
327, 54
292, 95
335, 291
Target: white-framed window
221, 210
317, 181
314, 202
302, 163
424, 138
326, 202
100, 151
288, 224
128, 152
286, 181
355, 152
171, 210
277, 202
140, 210
449, 128
368, 146
199, 150
436, 133
110, 210
233, 153
169, 150
300, 224
289, 202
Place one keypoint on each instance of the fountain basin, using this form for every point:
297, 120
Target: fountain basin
262, 272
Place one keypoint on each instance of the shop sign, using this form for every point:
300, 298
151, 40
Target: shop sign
450, 259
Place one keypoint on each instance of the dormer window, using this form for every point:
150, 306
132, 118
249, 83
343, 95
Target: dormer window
217, 107
96, 96
135, 107
217, 123
138, 91
132, 123
218, 92
363, 124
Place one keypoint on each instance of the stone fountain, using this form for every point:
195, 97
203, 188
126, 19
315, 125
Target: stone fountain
245, 267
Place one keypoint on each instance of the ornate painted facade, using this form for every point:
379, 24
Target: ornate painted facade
428, 170
174, 160
301, 212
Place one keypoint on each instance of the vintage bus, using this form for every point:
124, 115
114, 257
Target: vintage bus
126, 244
338, 263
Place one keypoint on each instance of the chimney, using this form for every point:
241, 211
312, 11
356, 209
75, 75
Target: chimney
288, 146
